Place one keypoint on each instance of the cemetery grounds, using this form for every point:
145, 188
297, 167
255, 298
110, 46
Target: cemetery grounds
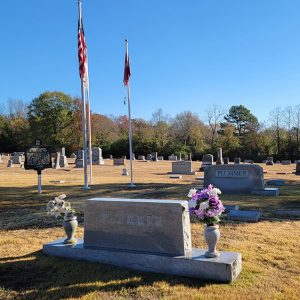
270, 248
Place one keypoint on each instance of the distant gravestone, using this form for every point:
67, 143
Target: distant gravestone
119, 162
17, 158
248, 161
57, 160
235, 179
124, 172
180, 158
172, 157
63, 151
226, 160
207, 160
97, 158
237, 160
149, 157
73, 155
278, 161
79, 159
141, 157
286, 162
190, 156
270, 161
154, 156
10, 163
133, 156
244, 215
0, 158
160, 157
298, 168
182, 167
220, 157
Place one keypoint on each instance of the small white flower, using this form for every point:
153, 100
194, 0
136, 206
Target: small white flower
191, 192
215, 191
204, 205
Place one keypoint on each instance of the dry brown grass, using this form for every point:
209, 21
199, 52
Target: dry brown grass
270, 248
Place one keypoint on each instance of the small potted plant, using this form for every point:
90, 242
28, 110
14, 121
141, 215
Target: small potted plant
206, 206
61, 208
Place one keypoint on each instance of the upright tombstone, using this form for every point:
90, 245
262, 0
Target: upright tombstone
38, 158
190, 156
207, 160
180, 158
125, 172
237, 160
220, 157
17, 158
149, 156
270, 161
63, 151
57, 160
119, 162
238, 179
226, 160
172, 157
97, 158
286, 162
141, 157
182, 167
1, 158
10, 163
133, 156
160, 157
298, 168
73, 155
141, 235
79, 159
154, 156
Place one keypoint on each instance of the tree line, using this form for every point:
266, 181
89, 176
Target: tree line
56, 118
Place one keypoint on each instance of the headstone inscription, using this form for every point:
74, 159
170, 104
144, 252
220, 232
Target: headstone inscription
136, 233
182, 167
270, 161
220, 157
38, 158
236, 179
207, 160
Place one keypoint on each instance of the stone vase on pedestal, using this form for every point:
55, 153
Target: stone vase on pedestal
70, 227
212, 236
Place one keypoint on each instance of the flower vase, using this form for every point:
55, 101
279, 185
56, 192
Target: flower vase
70, 226
212, 236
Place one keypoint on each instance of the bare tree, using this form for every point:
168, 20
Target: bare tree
276, 121
17, 108
214, 114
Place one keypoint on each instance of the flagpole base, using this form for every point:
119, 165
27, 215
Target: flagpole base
132, 185
86, 188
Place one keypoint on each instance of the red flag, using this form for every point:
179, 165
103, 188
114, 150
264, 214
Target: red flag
126, 67
82, 55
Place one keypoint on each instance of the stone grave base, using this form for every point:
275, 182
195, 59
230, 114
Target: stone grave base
266, 192
225, 268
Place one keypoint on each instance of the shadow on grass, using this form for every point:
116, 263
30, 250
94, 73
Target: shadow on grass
46, 277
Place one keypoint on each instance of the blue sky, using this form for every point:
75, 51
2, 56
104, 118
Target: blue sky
184, 55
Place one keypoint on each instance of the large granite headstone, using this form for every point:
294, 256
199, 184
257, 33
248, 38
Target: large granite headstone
235, 179
139, 225
182, 167
146, 235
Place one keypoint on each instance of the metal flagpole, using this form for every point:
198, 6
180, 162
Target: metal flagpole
83, 121
89, 127
130, 130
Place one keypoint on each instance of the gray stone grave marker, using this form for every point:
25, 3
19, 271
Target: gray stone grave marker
182, 167
220, 157
207, 160
270, 161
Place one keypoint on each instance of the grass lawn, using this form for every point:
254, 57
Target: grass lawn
270, 248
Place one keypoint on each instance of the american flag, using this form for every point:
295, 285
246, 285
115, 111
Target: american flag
126, 67
82, 54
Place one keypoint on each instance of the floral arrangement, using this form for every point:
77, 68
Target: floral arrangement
206, 205
60, 208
